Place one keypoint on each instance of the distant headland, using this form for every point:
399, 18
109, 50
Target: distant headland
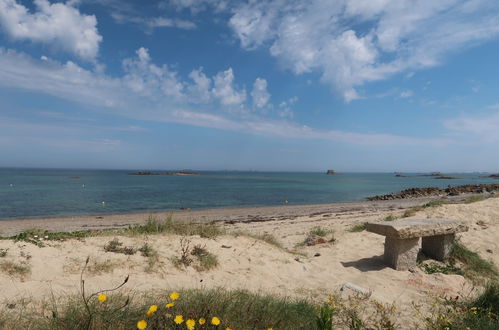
181, 173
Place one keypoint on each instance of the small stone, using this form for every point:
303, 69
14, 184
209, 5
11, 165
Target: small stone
317, 254
489, 251
355, 289
297, 259
226, 246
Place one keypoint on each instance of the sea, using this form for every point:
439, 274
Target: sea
32, 193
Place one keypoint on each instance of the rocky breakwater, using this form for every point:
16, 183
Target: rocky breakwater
433, 191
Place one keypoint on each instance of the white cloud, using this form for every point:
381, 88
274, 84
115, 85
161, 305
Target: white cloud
151, 23
195, 6
144, 93
406, 94
169, 22
284, 110
260, 94
201, 87
58, 24
351, 43
225, 90
148, 79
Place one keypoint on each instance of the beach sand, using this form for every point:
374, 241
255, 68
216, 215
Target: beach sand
246, 262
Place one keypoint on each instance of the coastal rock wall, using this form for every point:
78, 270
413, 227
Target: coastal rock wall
433, 191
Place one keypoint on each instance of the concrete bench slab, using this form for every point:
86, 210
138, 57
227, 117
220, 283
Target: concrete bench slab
410, 228
402, 239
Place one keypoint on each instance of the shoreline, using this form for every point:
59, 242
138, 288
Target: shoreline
229, 215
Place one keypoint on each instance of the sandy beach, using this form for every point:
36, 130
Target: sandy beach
9, 227
247, 262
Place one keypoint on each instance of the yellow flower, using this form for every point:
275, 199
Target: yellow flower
174, 296
202, 321
270, 329
142, 324
215, 320
178, 319
170, 305
102, 297
190, 323
149, 313
228, 328
153, 308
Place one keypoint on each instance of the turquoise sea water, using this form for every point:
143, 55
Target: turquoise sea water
46, 193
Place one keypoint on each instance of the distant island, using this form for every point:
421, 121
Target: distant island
330, 172
438, 175
493, 176
182, 173
435, 175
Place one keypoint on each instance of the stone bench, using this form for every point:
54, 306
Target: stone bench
402, 239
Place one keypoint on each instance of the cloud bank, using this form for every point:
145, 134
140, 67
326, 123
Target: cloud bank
351, 43
148, 91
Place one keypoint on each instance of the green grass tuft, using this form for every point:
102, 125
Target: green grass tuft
413, 210
474, 265
206, 259
475, 198
390, 217
358, 228
170, 226
116, 246
319, 231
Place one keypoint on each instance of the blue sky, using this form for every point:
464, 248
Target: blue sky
359, 85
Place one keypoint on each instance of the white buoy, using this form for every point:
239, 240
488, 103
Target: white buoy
11, 185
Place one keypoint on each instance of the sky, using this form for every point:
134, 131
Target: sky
281, 85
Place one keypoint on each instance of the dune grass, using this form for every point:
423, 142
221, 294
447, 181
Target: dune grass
170, 226
358, 227
315, 232
480, 313
19, 269
413, 210
463, 261
39, 236
236, 309
152, 226
474, 265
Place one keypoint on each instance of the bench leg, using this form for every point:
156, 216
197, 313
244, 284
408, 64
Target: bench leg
401, 254
438, 247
